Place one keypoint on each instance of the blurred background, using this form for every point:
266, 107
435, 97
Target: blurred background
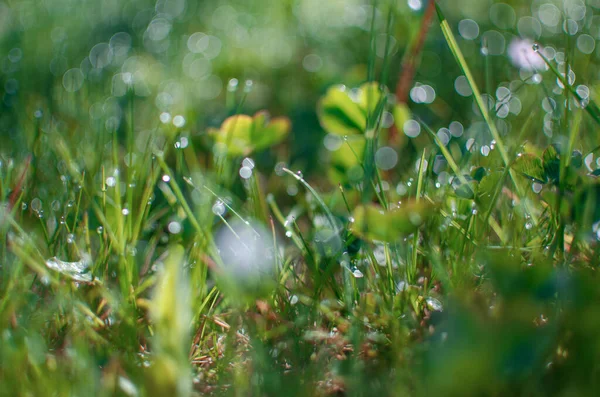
205, 60
76, 73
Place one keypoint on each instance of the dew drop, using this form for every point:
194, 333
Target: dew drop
248, 162
218, 208
536, 187
165, 117
179, 121
232, 85
245, 172
36, 204
174, 227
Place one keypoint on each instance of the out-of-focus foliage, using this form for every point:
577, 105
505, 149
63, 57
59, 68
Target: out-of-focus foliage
241, 135
162, 234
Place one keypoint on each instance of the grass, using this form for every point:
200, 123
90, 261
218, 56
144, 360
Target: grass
156, 239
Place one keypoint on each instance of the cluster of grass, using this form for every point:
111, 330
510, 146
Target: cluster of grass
150, 248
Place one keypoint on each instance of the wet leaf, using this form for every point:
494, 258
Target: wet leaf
434, 304
530, 166
77, 271
551, 161
373, 223
487, 188
478, 173
464, 190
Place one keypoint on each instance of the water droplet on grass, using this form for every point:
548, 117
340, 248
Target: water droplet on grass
536, 187
174, 227
218, 208
248, 162
245, 172
232, 85
165, 117
36, 204
179, 121
75, 270
434, 304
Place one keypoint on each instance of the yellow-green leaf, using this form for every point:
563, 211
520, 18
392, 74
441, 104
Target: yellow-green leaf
273, 133
242, 134
401, 114
369, 97
346, 160
339, 114
374, 223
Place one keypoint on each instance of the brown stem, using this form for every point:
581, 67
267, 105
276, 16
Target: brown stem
15, 193
409, 63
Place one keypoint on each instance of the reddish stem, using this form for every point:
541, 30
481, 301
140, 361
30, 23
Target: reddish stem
15, 193
410, 61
